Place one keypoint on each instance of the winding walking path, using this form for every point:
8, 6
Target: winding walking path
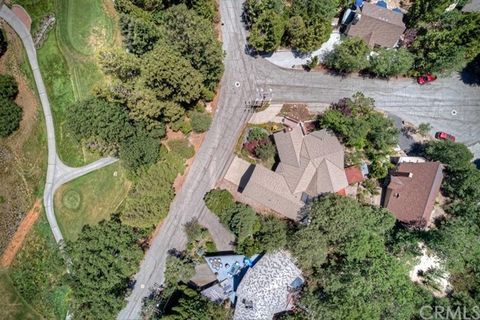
57, 172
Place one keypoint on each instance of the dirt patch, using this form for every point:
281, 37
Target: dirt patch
21, 167
298, 112
97, 37
174, 135
20, 235
26, 99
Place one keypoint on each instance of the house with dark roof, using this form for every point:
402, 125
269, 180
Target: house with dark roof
412, 190
310, 165
377, 25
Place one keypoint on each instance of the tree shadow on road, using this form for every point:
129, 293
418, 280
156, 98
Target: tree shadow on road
471, 73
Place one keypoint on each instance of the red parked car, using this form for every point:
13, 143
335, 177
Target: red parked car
426, 78
444, 136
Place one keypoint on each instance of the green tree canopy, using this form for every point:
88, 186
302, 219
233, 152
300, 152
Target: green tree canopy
340, 226
192, 305
374, 288
455, 156
391, 62
267, 32
447, 44
96, 117
120, 64
10, 117
3, 43
103, 259
361, 127
348, 56
265, 151
195, 38
8, 87
219, 200
149, 199
139, 34
171, 76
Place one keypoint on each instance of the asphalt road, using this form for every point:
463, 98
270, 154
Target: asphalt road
57, 172
447, 104
211, 161
243, 76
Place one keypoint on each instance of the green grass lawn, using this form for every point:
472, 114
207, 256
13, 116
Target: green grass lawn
68, 62
12, 305
84, 28
90, 199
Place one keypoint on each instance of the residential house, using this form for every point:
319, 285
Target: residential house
412, 191
472, 6
310, 165
268, 288
377, 25
259, 287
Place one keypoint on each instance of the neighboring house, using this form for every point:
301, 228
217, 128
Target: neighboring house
310, 165
259, 287
412, 190
228, 270
376, 25
472, 6
268, 287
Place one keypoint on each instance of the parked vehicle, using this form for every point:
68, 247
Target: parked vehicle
444, 136
426, 78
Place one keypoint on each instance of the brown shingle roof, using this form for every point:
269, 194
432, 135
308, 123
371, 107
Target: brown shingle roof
411, 199
378, 26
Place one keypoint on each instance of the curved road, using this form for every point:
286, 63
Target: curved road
243, 76
57, 172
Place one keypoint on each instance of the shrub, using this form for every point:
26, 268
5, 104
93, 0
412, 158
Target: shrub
10, 116
182, 147
3, 43
219, 200
139, 150
200, 121
348, 56
257, 133
8, 87
265, 151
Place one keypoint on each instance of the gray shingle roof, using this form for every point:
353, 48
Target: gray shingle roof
311, 165
271, 190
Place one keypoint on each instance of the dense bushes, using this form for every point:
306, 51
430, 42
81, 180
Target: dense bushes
10, 112
149, 200
200, 121
254, 233
99, 291
360, 127
218, 200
